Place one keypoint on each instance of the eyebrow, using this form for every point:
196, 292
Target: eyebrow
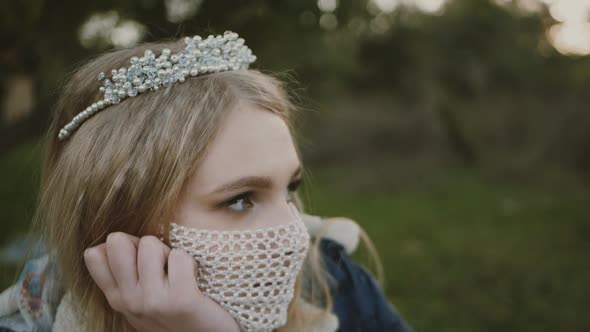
261, 182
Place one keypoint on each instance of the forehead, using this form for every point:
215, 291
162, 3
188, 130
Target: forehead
251, 142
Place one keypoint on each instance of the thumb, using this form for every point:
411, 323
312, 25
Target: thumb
182, 269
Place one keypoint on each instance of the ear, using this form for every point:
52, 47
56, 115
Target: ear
345, 231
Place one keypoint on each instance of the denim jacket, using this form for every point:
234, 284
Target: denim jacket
359, 302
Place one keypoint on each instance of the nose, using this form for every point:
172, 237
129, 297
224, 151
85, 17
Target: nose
281, 212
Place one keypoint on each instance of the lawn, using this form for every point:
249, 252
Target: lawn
471, 253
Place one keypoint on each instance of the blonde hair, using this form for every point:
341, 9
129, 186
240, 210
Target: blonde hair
124, 169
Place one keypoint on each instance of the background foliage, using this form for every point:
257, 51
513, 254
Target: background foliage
459, 138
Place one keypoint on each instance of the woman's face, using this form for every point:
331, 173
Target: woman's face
247, 176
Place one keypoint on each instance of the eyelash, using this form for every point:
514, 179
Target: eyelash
293, 186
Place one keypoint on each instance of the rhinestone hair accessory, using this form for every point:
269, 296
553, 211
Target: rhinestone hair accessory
200, 56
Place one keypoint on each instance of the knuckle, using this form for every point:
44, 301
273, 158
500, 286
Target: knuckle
90, 254
148, 242
150, 238
115, 237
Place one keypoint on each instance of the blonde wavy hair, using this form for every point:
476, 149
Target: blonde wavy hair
124, 169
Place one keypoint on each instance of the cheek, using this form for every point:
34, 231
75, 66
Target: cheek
194, 215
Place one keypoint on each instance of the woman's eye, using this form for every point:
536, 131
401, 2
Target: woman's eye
243, 202
293, 186
240, 203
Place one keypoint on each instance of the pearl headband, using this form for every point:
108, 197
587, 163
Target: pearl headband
200, 56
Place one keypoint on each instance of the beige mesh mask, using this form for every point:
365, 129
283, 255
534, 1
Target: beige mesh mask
251, 273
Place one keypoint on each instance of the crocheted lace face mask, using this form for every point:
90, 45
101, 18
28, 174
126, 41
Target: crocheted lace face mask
251, 273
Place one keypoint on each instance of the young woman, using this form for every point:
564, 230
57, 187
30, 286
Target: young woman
170, 204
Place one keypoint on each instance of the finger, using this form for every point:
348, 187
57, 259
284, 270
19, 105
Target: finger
152, 256
181, 269
121, 251
96, 261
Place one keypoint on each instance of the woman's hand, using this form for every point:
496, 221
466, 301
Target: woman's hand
131, 272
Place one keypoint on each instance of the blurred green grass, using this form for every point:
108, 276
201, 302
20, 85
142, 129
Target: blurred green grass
462, 251
471, 253
19, 174
19, 179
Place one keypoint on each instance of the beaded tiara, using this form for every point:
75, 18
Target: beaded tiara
200, 56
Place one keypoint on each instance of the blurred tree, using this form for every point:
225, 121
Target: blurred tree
469, 53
